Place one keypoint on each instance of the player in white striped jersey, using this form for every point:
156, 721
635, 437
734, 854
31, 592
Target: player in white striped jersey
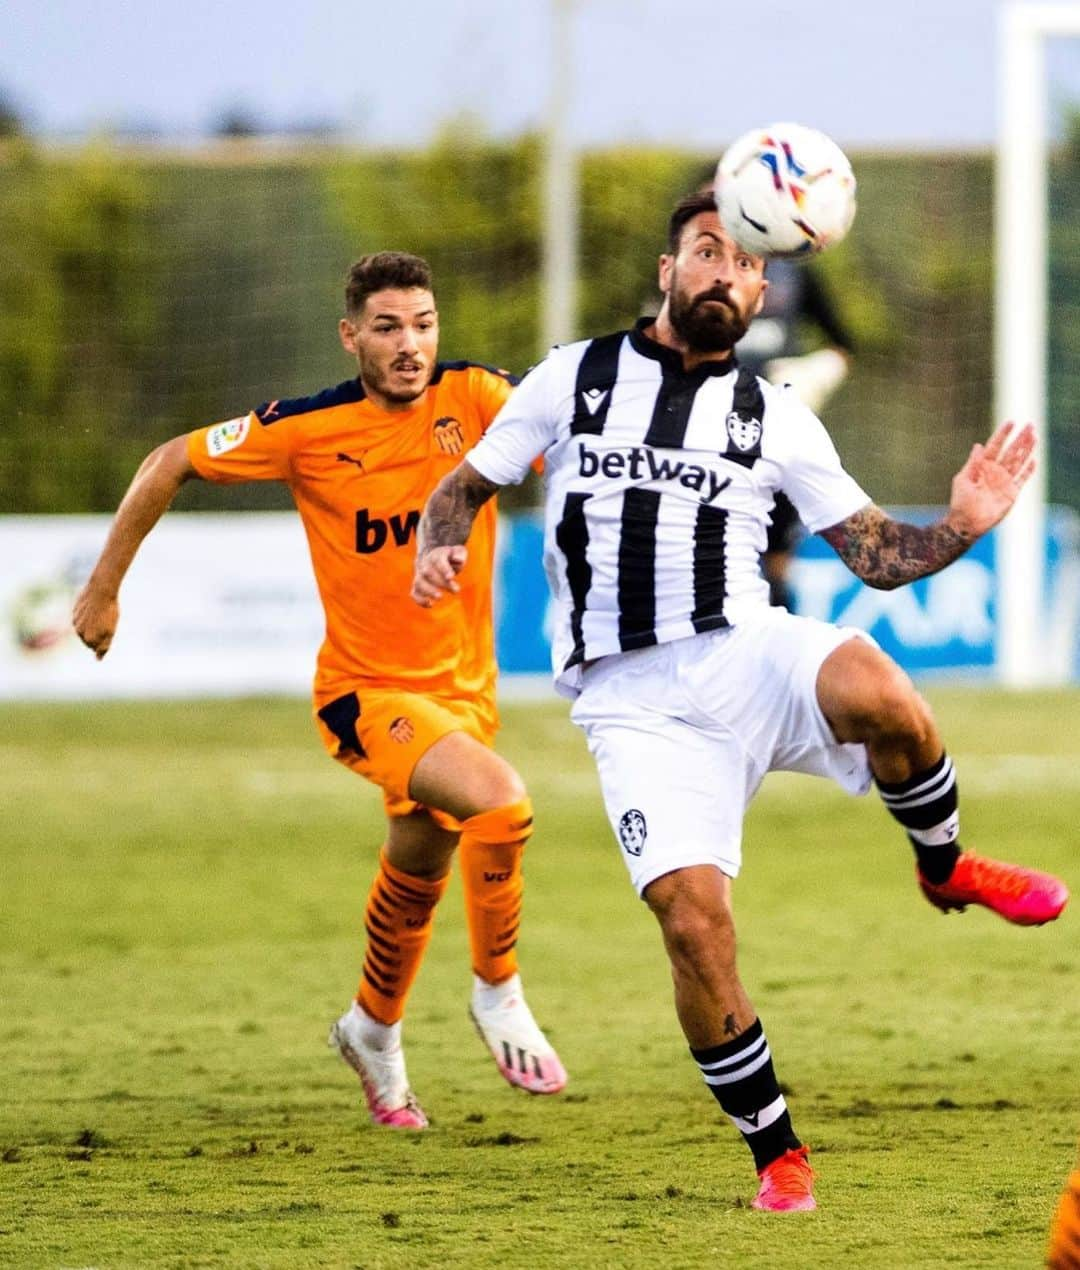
662, 458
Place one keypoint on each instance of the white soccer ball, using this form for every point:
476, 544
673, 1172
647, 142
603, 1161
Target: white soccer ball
785, 190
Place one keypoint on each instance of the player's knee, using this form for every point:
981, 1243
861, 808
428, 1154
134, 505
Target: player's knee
460, 776
491, 784
512, 788
899, 714
696, 928
876, 701
502, 788
696, 938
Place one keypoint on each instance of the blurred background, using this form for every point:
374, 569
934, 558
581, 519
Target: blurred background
182, 189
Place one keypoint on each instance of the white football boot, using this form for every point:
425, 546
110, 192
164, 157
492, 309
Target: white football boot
373, 1050
507, 1027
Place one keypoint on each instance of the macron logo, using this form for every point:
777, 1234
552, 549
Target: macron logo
641, 463
595, 398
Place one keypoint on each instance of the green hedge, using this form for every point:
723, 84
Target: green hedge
147, 294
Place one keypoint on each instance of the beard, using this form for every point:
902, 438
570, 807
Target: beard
712, 329
377, 377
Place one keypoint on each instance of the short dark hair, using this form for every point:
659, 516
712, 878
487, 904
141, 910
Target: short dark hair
689, 206
381, 270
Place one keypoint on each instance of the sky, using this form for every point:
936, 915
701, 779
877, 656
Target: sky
906, 73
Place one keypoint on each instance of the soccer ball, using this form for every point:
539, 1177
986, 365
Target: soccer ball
785, 191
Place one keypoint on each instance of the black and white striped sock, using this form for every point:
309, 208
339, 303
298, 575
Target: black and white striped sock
927, 805
741, 1077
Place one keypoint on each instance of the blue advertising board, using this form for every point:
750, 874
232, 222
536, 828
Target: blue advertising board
947, 622
522, 628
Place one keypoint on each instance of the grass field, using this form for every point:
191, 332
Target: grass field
182, 888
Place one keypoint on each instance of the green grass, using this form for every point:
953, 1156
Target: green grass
182, 889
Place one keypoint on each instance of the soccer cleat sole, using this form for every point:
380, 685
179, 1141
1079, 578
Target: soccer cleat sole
804, 1204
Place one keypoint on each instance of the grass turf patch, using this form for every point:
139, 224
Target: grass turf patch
183, 892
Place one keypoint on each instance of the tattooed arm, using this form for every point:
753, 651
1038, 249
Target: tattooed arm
444, 529
887, 553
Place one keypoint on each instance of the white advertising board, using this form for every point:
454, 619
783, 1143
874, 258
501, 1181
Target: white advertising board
212, 605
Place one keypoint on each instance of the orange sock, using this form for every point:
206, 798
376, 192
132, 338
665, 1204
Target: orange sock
490, 854
398, 923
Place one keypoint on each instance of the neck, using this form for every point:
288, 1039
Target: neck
664, 333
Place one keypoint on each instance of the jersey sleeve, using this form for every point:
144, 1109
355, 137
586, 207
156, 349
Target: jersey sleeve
521, 432
240, 449
814, 478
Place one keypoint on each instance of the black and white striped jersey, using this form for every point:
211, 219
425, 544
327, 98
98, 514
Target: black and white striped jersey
659, 484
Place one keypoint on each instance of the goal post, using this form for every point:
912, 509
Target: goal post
1020, 326
560, 189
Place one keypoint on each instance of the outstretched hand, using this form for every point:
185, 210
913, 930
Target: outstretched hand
988, 484
436, 572
94, 617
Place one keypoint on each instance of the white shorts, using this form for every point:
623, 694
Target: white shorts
683, 734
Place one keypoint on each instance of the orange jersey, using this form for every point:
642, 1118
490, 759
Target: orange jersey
360, 477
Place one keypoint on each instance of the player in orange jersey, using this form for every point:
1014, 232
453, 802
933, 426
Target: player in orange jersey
404, 698
1064, 1250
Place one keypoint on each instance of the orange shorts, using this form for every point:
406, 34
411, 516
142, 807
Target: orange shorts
382, 733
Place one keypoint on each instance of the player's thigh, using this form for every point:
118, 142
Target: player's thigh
386, 735
674, 795
464, 777
863, 692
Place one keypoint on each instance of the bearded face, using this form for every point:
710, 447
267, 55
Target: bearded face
395, 339
713, 288
709, 321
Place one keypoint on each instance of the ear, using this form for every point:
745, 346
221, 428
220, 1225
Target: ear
347, 334
761, 297
667, 263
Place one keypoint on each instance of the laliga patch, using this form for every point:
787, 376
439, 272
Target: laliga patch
224, 437
632, 831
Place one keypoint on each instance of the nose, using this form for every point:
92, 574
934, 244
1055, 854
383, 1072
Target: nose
724, 268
